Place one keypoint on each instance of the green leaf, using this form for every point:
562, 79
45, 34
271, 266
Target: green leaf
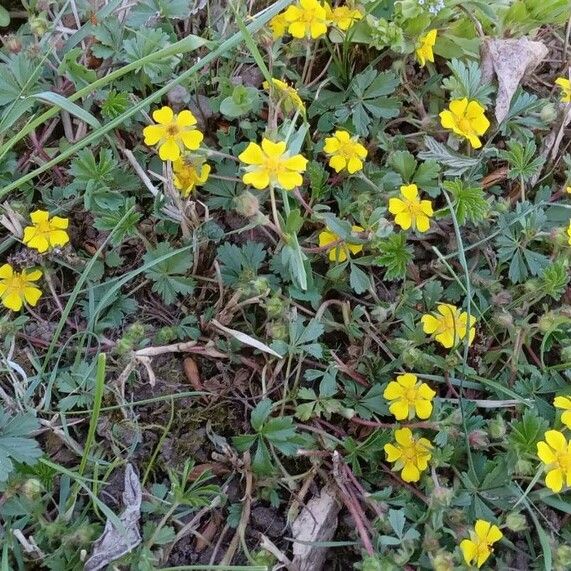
4, 17
469, 202
395, 256
169, 276
404, 163
65, 104
555, 279
456, 163
260, 414
78, 73
242, 101
16, 443
522, 160
359, 280
466, 81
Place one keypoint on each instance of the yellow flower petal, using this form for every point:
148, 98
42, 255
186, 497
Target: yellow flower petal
337, 163
12, 301
399, 409
169, 151
396, 205
410, 473
469, 550
185, 119
554, 480
39, 216
404, 220
259, 179
252, 155
423, 409
556, 440
422, 223
163, 116
296, 163
392, 452
32, 295
192, 139
273, 150
153, 134
289, 180
6, 271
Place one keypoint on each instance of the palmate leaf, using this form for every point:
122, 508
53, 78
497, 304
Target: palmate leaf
169, 276
16, 445
469, 201
395, 255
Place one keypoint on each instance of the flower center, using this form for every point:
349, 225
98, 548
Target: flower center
15, 284
274, 165
172, 130
410, 394
409, 454
465, 125
43, 227
564, 461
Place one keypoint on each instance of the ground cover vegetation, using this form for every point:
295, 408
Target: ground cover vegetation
285, 286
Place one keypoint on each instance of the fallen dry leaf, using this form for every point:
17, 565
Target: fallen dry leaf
192, 374
510, 60
317, 522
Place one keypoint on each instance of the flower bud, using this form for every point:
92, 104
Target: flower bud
275, 307
260, 285
548, 113
373, 563
516, 522
478, 439
277, 330
13, 43
247, 204
524, 467
563, 558
39, 25
566, 354
165, 335
504, 319
441, 497
443, 561
32, 488
497, 427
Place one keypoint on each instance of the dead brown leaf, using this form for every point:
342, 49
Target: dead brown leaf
510, 60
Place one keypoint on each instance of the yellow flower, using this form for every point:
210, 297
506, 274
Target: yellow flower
408, 454
15, 287
173, 133
569, 232
345, 151
279, 25
449, 325
410, 210
189, 174
410, 397
424, 51
286, 95
340, 252
565, 85
568, 190
270, 164
555, 453
308, 19
342, 17
478, 548
565, 404
46, 232
467, 119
